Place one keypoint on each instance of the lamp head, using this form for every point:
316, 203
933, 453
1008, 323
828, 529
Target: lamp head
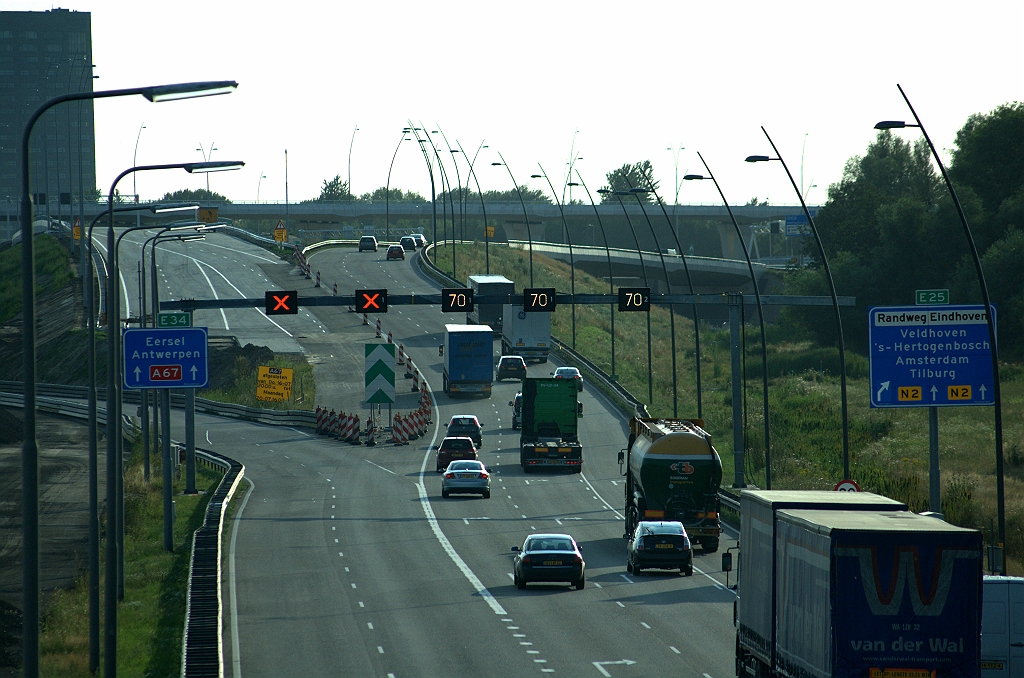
757, 158
173, 207
890, 124
572, 183
189, 90
693, 177
536, 176
497, 164
213, 166
639, 190
603, 191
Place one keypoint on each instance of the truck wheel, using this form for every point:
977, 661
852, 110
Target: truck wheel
444, 383
709, 545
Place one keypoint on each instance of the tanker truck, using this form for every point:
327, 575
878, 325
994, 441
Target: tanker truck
673, 473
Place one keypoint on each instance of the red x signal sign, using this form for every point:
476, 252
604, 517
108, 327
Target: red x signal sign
372, 301
282, 303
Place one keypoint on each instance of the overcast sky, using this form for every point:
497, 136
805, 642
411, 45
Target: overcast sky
634, 78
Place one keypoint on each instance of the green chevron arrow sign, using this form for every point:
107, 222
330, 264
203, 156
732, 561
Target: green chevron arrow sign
379, 377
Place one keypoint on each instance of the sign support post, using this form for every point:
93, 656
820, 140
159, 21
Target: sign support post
190, 441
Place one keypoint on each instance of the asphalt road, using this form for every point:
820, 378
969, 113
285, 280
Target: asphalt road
346, 560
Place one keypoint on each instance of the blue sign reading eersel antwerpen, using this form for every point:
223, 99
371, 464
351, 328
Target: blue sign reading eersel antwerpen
165, 358
925, 356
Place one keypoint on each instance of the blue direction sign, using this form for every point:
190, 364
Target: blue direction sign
930, 356
171, 358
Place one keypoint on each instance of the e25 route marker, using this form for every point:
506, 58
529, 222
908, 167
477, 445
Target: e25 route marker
165, 358
929, 356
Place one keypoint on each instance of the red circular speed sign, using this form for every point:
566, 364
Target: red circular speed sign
847, 486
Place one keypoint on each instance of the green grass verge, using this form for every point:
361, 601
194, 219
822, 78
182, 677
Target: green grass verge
888, 447
53, 271
152, 616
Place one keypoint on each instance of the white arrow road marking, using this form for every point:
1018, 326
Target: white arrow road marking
600, 666
885, 387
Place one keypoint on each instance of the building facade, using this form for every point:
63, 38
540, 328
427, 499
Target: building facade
43, 55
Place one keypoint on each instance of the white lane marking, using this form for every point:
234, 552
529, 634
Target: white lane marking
215, 296
381, 468
428, 511
706, 676
673, 648
512, 628
616, 602
533, 652
645, 625
540, 661
369, 625
598, 585
525, 642
208, 437
380, 649
518, 635
512, 577
340, 554
361, 604
236, 660
335, 540
600, 498
333, 527
353, 584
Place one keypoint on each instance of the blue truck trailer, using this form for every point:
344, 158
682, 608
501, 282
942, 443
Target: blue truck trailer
468, 359
756, 613
876, 594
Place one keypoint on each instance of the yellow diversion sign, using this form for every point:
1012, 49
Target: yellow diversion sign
274, 384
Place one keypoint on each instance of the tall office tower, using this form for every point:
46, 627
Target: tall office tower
43, 55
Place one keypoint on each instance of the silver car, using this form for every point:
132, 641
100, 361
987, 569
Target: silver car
466, 477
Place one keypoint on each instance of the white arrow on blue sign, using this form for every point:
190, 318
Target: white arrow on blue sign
930, 356
165, 358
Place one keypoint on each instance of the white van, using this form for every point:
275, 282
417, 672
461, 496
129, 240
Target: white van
1002, 627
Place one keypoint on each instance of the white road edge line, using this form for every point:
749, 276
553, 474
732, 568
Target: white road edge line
236, 660
428, 511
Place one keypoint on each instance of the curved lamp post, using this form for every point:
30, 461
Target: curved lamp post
689, 284
760, 315
350, 143
832, 291
387, 187
529, 233
446, 189
458, 179
30, 450
258, 184
611, 275
637, 192
643, 267
433, 190
568, 240
996, 391
483, 206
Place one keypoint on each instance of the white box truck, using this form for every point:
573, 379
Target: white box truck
525, 334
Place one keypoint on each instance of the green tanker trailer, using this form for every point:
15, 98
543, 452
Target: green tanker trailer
673, 473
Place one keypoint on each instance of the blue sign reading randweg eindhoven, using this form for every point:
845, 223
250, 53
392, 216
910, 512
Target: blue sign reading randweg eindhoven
924, 356
165, 358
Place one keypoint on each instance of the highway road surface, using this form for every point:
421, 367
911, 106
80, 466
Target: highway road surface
346, 561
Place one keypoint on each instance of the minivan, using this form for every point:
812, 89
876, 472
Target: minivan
1002, 627
368, 243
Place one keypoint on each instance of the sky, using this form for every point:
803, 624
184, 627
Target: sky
539, 82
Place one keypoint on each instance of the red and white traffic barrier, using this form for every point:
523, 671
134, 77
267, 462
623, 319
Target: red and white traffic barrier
409, 368
415, 380
317, 279
320, 412
401, 354
354, 440
397, 431
349, 427
390, 341
378, 328
335, 289
366, 319
336, 424
370, 432
406, 431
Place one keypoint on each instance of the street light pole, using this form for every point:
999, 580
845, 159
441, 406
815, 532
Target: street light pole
387, 188
30, 449
258, 183
568, 240
996, 390
760, 315
206, 158
611, 275
483, 206
350, 143
643, 267
433, 190
832, 291
526, 216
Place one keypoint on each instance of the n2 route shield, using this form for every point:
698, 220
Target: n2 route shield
165, 358
930, 356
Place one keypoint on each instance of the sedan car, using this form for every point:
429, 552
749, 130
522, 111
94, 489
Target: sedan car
511, 366
466, 425
368, 243
662, 545
466, 477
549, 558
408, 243
569, 373
452, 448
396, 252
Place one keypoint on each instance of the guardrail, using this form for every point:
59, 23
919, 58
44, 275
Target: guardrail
202, 652
306, 418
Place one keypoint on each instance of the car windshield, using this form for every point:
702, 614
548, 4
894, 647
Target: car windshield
466, 466
549, 544
463, 422
567, 371
457, 444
